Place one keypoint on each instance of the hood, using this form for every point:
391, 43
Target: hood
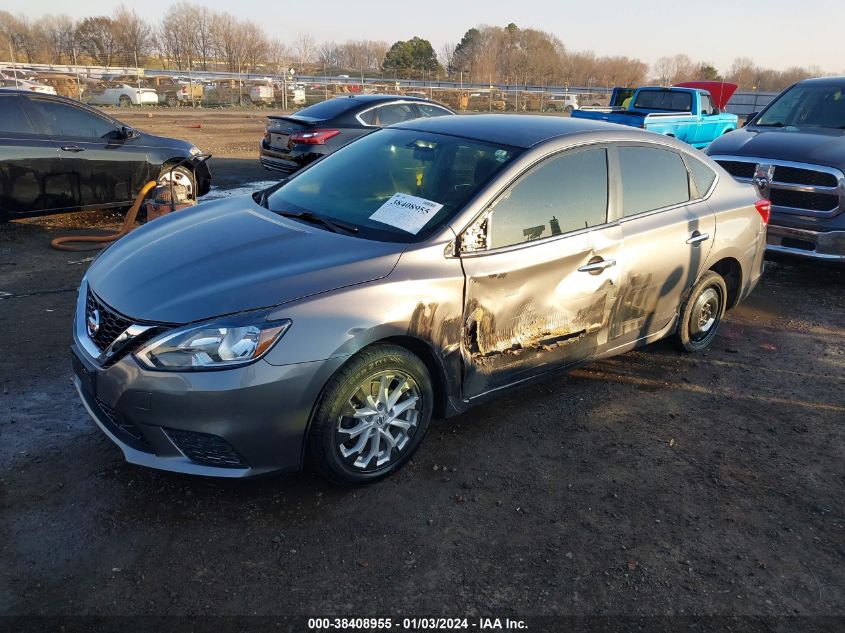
819, 146
720, 92
229, 256
151, 140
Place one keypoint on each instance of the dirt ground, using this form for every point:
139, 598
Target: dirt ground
655, 483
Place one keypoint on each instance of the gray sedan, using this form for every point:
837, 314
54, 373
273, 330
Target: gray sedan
410, 275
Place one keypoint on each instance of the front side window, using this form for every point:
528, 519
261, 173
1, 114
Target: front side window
12, 117
562, 194
61, 119
706, 105
652, 178
382, 182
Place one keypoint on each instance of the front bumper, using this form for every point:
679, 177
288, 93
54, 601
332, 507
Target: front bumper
806, 244
239, 422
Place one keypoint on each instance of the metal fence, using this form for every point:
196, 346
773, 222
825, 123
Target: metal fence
134, 86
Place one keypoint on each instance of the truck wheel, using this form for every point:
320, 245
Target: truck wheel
569, 109
701, 313
372, 416
171, 101
125, 101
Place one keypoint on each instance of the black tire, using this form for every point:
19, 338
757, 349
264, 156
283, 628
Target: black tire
172, 101
569, 109
701, 313
124, 101
332, 413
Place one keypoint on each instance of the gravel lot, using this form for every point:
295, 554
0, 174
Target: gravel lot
649, 484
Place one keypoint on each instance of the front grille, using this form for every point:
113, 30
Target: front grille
122, 428
825, 189
207, 449
803, 200
738, 169
112, 324
797, 176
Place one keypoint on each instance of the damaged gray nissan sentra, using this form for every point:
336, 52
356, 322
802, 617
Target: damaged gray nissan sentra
410, 274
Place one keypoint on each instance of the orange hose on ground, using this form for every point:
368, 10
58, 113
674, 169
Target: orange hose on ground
99, 241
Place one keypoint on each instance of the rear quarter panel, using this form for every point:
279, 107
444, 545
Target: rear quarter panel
740, 231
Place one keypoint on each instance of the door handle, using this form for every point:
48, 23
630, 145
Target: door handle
697, 238
72, 148
597, 267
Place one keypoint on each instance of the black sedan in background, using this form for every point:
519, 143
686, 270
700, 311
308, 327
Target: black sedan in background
293, 141
58, 155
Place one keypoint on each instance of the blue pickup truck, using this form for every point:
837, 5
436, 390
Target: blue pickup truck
689, 112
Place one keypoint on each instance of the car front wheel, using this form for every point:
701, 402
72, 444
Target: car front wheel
701, 313
372, 416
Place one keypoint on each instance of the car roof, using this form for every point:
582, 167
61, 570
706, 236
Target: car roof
516, 130
375, 98
835, 81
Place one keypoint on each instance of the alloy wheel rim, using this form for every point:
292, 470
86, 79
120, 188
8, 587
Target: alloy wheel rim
378, 421
178, 178
704, 314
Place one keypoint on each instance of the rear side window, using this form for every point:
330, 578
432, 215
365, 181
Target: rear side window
652, 178
12, 117
61, 119
562, 194
702, 174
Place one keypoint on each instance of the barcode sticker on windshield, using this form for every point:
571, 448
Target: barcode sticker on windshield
405, 212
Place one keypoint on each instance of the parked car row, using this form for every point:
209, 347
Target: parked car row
411, 264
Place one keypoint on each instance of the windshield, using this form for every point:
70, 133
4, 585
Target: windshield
393, 185
807, 105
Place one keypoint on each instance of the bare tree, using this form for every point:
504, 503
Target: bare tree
304, 47
97, 38
133, 34
447, 54
59, 33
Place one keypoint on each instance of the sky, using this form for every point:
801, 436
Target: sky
774, 33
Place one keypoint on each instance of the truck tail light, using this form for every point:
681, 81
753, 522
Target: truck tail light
764, 208
313, 137
184, 90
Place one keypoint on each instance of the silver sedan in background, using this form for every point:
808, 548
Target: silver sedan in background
413, 273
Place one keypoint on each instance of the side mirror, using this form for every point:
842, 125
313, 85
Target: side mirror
128, 132
750, 118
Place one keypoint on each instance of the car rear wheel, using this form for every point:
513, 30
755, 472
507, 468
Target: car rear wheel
701, 313
124, 101
171, 101
372, 416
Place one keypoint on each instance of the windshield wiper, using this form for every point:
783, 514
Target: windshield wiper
776, 124
333, 225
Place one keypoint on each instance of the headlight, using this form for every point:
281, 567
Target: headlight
221, 344
195, 151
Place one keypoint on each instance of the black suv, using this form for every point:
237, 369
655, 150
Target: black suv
794, 151
293, 141
58, 155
